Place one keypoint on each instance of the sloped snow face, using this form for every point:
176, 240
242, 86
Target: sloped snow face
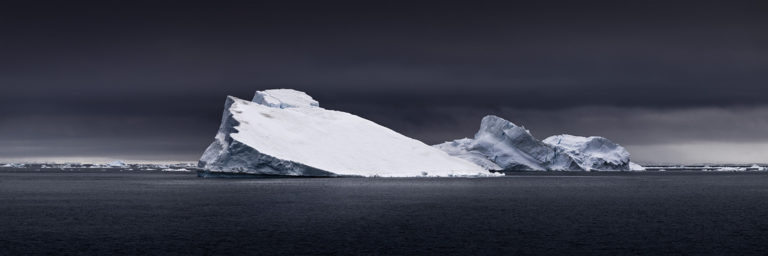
266, 137
592, 153
284, 98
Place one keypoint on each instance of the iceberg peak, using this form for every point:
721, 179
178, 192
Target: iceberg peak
513, 147
284, 98
494, 124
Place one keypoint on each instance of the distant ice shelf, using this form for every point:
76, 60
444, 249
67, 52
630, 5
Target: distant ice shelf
117, 165
191, 167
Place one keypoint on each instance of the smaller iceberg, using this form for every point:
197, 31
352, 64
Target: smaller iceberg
501, 145
731, 169
13, 165
635, 167
592, 153
117, 164
175, 170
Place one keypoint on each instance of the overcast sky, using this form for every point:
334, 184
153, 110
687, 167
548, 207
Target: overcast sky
673, 81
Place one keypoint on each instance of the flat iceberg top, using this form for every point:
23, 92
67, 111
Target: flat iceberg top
284, 98
335, 141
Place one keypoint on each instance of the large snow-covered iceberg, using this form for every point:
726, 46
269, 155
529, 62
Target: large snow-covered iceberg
286, 132
502, 145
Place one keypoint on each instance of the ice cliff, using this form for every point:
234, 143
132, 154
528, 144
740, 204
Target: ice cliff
286, 132
502, 145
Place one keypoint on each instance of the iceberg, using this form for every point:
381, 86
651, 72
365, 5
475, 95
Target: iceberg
501, 145
592, 153
731, 169
635, 167
175, 170
507, 146
285, 132
13, 165
117, 164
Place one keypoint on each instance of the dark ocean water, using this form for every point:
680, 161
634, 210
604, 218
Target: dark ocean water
119, 213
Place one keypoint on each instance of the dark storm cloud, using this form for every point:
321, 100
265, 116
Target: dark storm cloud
652, 135
627, 126
152, 76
